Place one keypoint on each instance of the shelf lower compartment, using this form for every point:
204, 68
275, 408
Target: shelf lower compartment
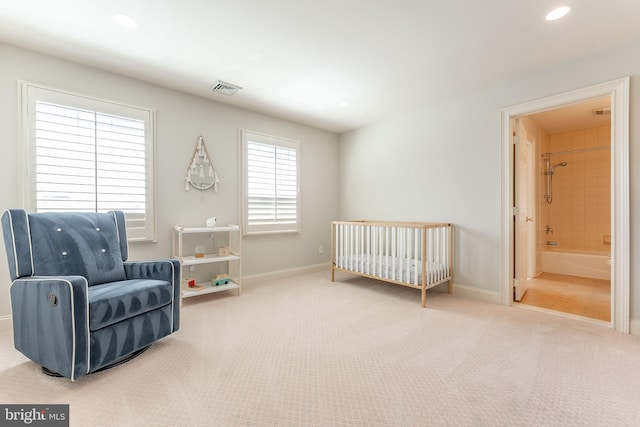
208, 289
209, 258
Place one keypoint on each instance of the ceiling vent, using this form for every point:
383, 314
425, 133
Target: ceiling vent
224, 88
604, 111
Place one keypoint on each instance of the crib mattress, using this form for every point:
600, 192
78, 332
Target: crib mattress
394, 268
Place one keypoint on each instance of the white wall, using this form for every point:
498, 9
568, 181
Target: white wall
441, 162
180, 119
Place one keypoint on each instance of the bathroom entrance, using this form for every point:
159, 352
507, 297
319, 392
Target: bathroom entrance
565, 183
569, 209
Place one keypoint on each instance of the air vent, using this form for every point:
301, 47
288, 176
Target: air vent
224, 88
604, 111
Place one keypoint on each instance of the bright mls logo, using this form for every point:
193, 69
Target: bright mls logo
34, 415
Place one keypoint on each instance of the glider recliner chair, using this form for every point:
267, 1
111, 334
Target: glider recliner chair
77, 305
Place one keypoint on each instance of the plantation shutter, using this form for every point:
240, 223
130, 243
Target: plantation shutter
90, 156
271, 174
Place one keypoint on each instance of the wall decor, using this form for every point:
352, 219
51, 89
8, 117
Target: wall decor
201, 174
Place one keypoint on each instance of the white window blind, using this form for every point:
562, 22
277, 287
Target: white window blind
271, 199
89, 155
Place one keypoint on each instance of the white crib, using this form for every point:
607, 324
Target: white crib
414, 254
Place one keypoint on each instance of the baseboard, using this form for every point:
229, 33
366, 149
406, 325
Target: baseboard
6, 324
477, 294
462, 290
634, 327
281, 274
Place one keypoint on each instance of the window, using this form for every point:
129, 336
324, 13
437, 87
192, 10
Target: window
271, 200
88, 155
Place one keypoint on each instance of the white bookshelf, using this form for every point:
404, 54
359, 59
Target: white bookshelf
231, 262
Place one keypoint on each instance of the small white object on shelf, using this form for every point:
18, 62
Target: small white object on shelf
211, 222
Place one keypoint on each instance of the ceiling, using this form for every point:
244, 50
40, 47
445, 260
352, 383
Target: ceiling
299, 59
572, 117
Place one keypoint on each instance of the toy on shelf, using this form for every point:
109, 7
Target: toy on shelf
191, 285
199, 251
221, 279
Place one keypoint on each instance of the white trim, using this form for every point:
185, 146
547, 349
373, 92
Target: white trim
476, 294
634, 327
562, 314
73, 329
86, 293
274, 141
173, 292
6, 324
283, 274
29, 92
619, 92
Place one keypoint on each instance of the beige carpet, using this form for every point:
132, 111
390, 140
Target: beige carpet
305, 351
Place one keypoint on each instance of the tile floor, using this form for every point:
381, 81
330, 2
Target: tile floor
570, 294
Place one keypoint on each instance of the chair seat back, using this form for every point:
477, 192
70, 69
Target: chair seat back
65, 244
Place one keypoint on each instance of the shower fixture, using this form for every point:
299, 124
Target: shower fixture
548, 172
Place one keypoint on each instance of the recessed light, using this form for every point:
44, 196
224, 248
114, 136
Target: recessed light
344, 104
125, 20
558, 13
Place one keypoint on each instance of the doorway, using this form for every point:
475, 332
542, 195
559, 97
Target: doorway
569, 209
618, 91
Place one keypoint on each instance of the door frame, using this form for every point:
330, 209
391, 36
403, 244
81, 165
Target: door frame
618, 90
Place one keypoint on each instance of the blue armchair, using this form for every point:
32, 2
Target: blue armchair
78, 306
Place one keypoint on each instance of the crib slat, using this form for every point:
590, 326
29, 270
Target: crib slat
439, 244
417, 260
403, 256
380, 265
423, 258
394, 243
386, 252
339, 245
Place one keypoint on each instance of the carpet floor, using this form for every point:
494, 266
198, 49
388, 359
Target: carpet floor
305, 351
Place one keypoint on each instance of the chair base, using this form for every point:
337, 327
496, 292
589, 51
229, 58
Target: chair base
120, 361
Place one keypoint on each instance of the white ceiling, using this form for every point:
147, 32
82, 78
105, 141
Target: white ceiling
299, 59
574, 117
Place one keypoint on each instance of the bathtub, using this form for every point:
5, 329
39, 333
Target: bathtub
595, 265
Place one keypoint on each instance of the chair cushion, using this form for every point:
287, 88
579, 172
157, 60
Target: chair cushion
113, 302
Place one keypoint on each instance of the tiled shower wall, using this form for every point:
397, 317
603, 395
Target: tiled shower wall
580, 214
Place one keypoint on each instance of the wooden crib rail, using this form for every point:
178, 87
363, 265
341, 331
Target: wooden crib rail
409, 224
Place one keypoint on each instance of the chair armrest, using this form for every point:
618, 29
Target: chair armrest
164, 269
51, 322
167, 270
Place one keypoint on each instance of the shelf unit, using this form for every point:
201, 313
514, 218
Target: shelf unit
231, 261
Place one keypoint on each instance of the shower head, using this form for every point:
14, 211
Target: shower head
556, 165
